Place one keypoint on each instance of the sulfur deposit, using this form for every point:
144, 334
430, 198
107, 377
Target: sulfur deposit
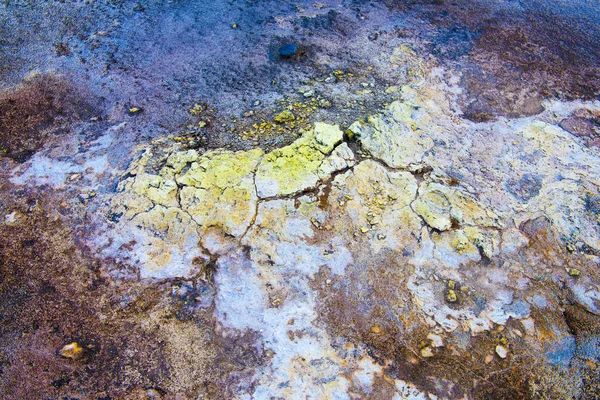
440, 227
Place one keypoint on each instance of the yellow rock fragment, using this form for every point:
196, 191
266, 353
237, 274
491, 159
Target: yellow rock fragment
72, 350
426, 352
451, 296
434, 207
376, 329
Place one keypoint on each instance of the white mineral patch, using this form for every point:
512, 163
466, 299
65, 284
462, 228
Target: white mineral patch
363, 378
153, 256
303, 364
54, 166
42, 170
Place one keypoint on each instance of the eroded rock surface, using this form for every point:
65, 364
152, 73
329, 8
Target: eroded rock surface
411, 253
447, 243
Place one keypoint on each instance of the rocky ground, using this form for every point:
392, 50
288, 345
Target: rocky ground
406, 207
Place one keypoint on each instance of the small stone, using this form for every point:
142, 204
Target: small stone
573, 272
451, 296
436, 340
287, 50
489, 358
12, 218
426, 352
309, 93
135, 110
502, 351
234, 25
330, 79
451, 284
364, 230
72, 350
376, 329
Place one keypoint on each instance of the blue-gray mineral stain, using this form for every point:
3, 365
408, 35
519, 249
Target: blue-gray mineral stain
119, 279
287, 50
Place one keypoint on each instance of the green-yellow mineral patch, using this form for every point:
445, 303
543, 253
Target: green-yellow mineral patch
376, 202
284, 117
294, 168
434, 207
394, 137
171, 223
440, 205
218, 190
142, 190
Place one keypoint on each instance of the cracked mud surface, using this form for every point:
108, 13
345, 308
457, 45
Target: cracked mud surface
407, 208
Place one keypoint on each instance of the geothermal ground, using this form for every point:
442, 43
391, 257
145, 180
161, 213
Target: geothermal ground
299, 200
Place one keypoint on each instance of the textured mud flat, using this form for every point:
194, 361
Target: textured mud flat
408, 207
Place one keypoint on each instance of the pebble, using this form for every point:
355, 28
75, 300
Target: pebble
451, 296
71, 350
436, 340
135, 110
573, 272
287, 50
501, 351
426, 352
376, 329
